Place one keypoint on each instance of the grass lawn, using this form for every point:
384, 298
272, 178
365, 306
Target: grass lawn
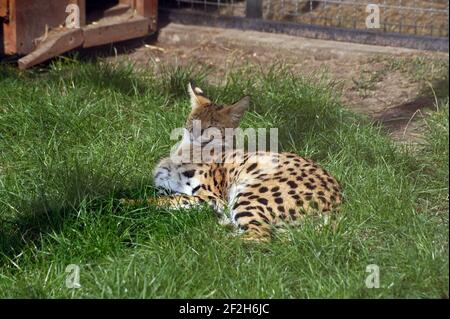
80, 135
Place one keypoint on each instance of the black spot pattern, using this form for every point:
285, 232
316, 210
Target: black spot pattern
189, 174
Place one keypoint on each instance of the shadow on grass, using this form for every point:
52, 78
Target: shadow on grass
399, 116
122, 76
56, 205
45, 215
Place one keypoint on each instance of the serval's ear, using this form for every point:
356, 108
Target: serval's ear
237, 110
197, 96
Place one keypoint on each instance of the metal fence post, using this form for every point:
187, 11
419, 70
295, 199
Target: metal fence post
253, 9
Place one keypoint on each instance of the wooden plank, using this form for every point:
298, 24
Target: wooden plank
9, 31
3, 8
114, 29
28, 20
148, 9
118, 9
3, 15
56, 43
31, 20
153, 15
128, 2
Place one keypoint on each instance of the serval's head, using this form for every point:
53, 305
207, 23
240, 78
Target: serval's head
211, 116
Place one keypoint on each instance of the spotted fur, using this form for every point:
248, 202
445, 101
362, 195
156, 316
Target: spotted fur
254, 192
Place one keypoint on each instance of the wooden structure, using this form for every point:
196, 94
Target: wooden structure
39, 29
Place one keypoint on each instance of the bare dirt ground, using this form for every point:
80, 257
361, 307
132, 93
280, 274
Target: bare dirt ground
392, 85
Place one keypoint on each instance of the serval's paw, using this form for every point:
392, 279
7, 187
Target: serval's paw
255, 238
127, 201
134, 202
225, 222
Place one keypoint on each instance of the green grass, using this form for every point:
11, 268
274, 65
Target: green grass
78, 136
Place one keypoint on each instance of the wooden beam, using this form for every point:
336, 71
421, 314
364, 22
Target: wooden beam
56, 40
114, 29
128, 2
82, 5
56, 43
3, 8
153, 15
148, 9
118, 9
9, 31
28, 20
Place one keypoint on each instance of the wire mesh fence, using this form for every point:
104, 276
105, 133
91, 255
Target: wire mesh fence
419, 17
